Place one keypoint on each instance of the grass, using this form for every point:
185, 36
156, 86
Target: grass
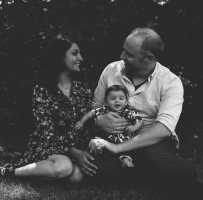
191, 148
34, 189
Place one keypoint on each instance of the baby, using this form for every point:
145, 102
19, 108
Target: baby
116, 98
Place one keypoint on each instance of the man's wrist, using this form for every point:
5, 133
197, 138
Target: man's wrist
112, 147
118, 148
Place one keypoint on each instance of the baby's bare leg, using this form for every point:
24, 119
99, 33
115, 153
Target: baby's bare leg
126, 162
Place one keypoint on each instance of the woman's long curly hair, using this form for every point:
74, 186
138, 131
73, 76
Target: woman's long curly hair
53, 62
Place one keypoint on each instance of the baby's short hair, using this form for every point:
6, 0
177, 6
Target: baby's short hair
116, 88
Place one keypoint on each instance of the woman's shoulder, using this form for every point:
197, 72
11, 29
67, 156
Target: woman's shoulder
84, 85
40, 90
83, 81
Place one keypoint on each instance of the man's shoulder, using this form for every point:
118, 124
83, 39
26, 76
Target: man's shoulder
165, 73
117, 65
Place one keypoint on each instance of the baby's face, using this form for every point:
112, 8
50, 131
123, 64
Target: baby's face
116, 100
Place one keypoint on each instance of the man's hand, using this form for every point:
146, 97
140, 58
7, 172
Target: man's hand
112, 123
83, 159
97, 145
130, 129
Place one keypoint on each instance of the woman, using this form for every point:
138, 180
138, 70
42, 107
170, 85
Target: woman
57, 105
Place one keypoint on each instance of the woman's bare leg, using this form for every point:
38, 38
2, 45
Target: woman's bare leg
76, 176
55, 167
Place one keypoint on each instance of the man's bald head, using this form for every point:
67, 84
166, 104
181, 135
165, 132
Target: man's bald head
151, 41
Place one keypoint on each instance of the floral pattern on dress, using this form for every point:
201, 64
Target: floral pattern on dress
128, 113
55, 117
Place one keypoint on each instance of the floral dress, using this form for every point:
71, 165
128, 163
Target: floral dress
55, 119
128, 113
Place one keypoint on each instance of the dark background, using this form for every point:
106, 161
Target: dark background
26, 26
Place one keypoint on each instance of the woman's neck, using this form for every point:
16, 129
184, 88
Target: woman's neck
64, 79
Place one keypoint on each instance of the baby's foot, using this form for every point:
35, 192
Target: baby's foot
127, 163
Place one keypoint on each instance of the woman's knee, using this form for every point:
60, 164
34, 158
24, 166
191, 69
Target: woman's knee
62, 168
76, 176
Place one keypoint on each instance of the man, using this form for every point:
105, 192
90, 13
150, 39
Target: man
157, 94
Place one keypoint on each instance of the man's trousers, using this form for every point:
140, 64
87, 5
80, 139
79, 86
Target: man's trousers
158, 162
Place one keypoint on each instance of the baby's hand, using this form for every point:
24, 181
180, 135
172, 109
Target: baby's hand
130, 129
79, 125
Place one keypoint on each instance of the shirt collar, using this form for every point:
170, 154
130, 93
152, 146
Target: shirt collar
153, 73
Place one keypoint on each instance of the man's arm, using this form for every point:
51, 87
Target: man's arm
133, 128
167, 118
153, 135
99, 93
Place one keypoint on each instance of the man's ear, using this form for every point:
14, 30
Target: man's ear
146, 60
149, 59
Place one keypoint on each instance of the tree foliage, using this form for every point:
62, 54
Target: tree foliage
101, 26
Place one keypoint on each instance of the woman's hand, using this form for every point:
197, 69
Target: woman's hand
83, 158
112, 123
97, 145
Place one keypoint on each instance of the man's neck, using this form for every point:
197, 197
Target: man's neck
145, 73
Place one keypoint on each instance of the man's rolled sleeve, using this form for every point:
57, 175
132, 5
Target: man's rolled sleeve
171, 103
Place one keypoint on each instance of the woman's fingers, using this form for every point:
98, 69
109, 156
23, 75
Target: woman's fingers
87, 166
86, 172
